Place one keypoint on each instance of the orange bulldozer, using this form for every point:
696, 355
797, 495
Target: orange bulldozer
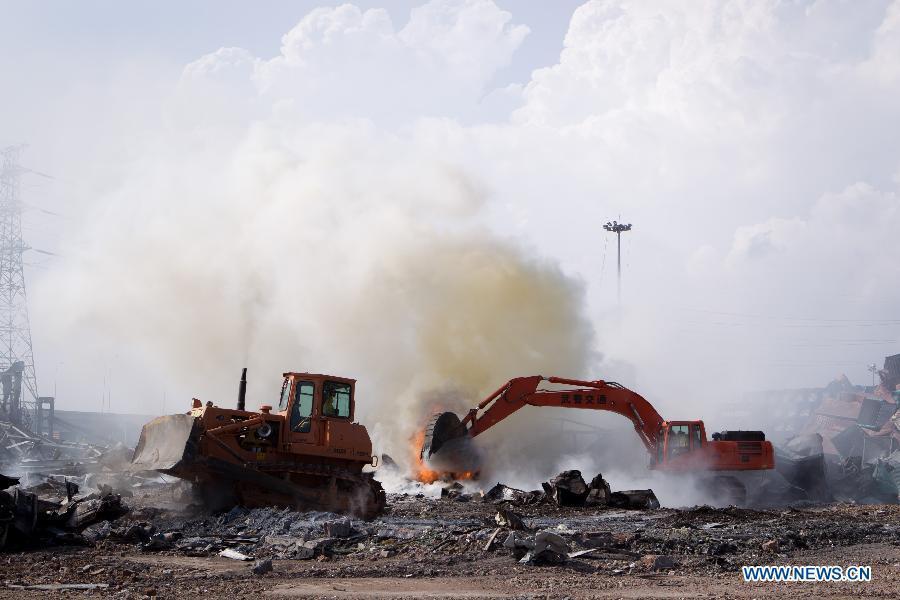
307, 453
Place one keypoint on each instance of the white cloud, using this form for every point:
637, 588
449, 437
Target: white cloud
438, 64
850, 234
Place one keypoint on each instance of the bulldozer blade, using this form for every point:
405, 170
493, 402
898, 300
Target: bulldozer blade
163, 443
448, 448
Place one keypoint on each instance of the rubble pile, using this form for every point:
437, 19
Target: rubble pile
504, 531
504, 493
429, 539
272, 533
569, 489
24, 452
532, 534
45, 466
29, 520
545, 547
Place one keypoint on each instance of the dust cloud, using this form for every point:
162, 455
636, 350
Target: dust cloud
335, 250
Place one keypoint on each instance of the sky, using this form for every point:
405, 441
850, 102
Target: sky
413, 193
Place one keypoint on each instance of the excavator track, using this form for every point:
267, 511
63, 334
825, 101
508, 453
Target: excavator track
725, 490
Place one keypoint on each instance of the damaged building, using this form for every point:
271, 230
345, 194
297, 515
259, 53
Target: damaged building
850, 433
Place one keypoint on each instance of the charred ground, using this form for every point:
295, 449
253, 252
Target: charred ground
460, 545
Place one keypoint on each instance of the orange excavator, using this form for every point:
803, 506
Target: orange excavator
674, 446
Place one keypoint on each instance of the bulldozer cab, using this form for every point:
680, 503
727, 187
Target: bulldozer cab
677, 440
308, 401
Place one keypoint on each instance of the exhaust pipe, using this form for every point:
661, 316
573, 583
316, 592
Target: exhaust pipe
242, 390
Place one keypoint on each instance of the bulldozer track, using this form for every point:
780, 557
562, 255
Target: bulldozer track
372, 494
308, 469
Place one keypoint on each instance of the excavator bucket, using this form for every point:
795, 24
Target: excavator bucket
164, 443
448, 449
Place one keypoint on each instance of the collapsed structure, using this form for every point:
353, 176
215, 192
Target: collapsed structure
841, 441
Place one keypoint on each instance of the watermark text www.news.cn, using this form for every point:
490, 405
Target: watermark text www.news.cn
806, 573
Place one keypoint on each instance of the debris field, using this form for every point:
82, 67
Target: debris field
499, 543
81, 520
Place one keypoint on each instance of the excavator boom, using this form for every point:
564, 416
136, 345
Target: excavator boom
594, 395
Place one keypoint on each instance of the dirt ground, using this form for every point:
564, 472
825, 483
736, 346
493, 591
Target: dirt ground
436, 548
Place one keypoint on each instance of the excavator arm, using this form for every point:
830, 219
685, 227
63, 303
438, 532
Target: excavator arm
594, 395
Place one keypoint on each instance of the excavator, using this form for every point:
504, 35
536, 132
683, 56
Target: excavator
673, 446
305, 454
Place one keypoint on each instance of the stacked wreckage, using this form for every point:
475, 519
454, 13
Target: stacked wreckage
837, 443
61, 488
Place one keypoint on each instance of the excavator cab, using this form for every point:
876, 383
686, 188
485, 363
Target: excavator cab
683, 446
677, 443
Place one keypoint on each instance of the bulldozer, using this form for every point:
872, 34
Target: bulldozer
307, 453
680, 447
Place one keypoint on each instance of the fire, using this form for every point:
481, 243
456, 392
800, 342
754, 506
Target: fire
422, 473
425, 475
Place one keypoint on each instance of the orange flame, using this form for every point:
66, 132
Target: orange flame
421, 472
425, 475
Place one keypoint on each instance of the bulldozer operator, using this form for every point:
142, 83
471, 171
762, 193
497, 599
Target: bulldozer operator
329, 407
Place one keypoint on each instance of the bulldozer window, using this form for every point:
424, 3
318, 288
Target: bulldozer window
303, 403
336, 399
678, 440
285, 394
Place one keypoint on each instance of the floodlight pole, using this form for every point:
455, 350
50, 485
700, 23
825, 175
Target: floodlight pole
618, 228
